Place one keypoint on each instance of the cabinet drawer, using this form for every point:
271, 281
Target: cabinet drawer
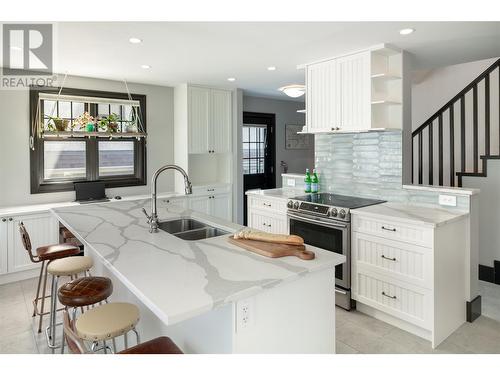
393, 230
267, 204
397, 259
404, 301
267, 222
211, 190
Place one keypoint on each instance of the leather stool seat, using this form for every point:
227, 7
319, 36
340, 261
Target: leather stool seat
107, 321
85, 291
70, 266
159, 345
51, 252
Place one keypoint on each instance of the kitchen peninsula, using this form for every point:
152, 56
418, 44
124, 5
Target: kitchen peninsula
208, 295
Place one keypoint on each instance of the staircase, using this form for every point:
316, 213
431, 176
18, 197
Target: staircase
461, 136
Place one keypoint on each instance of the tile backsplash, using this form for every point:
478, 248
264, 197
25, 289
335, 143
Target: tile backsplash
369, 165
361, 164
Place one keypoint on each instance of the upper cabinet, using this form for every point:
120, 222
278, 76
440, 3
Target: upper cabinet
209, 120
357, 92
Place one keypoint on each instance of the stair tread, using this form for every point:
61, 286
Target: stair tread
490, 156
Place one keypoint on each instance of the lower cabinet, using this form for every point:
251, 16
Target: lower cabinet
410, 275
43, 230
214, 205
267, 222
267, 214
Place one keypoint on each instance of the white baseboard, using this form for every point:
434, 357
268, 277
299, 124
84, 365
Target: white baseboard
18, 276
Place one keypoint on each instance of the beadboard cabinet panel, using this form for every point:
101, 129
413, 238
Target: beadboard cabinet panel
198, 118
322, 97
267, 223
43, 230
219, 131
353, 74
3, 245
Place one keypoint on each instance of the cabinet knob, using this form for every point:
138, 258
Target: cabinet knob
4, 220
10, 219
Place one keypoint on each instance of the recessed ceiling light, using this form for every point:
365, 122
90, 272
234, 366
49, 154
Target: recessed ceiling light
146, 66
406, 31
231, 79
135, 40
271, 68
293, 91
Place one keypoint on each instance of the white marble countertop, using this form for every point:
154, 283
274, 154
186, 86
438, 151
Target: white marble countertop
443, 189
180, 279
16, 210
419, 215
280, 193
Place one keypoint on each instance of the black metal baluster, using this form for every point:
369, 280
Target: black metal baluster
431, 154
452, 146
487, 115
475, 129
462, 133
440, 150
420, 157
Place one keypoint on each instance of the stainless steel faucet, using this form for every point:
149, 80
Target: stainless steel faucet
153, 218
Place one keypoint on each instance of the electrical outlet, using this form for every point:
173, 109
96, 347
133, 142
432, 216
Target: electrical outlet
290, 182
447, 200
244, 313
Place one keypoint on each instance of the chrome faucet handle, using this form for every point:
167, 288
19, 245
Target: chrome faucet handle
146, 214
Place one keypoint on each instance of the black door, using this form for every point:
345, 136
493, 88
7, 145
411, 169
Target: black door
258, 153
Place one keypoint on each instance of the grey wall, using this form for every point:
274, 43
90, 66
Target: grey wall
14, 145
286, 113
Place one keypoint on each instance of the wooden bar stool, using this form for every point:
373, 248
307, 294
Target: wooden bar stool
159, 345
84, 292
70, 267
44, 255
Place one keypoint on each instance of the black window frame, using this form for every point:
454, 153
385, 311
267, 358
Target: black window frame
40, 185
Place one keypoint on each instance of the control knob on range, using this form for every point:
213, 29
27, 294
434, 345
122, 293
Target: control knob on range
290, 204
342, 214
296, 205
333, 212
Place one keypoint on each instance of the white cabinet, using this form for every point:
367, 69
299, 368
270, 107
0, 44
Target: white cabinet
213, 200
322, 97
43, 230
408, 274
354, 80
209, 120
267, 214
219, 129
3, 245
357, 92
198, 119
221, 206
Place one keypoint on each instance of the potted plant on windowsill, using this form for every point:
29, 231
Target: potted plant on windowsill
85, 122
109, 123
57, 124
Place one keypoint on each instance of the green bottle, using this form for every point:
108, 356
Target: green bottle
314, 182
307, 180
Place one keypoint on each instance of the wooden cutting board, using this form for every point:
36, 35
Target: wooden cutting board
273, 250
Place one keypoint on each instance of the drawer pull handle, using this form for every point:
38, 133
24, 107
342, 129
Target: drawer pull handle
266, 204
388, 296
389, 229
391, 259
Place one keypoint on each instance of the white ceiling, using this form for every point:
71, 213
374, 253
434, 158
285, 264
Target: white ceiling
209, 53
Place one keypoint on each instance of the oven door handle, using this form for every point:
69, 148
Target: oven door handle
317, 221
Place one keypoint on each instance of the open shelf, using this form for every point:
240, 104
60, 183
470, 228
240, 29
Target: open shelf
81, 134
301, 111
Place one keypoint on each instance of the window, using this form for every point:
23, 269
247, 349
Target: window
254, 141
59, 161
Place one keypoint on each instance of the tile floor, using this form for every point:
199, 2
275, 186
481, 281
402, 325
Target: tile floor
356, 332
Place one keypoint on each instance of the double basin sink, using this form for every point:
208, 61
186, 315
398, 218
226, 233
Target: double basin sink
190, 229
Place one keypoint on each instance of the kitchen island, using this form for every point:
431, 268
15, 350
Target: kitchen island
208, 295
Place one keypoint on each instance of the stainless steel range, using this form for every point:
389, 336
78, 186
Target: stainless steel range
324, 220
